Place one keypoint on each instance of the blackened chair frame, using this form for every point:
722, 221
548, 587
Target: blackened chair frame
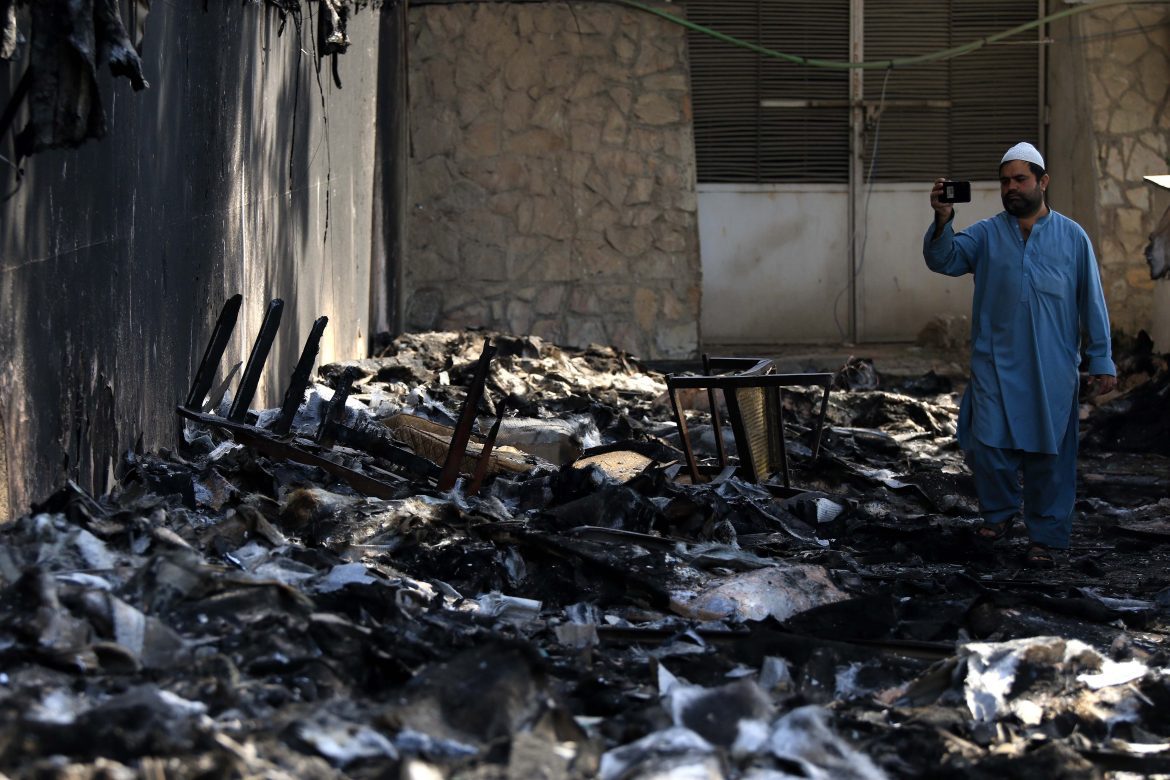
747, 373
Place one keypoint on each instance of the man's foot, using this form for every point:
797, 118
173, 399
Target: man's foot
1040, 557
994, 532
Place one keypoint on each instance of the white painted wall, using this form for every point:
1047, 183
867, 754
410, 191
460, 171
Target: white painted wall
775, 262
773, 259
897, 294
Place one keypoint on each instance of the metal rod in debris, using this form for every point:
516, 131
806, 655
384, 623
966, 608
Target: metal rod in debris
485, 454
256, 360
205, 374
462, 433
300, 379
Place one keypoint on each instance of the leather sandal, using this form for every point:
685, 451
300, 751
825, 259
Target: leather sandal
1040, 557
994, 532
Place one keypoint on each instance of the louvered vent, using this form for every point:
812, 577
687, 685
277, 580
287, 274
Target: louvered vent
803, 133
761, 120
957, 117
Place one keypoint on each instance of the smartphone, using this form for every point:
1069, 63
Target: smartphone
955, 192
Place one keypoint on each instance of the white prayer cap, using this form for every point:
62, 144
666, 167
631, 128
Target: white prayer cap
1024, 151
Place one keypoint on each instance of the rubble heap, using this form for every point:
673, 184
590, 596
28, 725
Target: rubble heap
588, 613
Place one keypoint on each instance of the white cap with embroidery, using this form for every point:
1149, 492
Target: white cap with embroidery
1024, 151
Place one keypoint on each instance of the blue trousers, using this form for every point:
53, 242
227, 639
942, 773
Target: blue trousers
1048, 490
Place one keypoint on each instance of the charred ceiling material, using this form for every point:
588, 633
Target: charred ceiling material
225, 611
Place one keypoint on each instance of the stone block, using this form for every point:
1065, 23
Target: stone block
609, 184
434, 135
561, 71
666, 82
499, 174
518, 316
670, 175
1139, 278
551, 218
505, 204
643, 216
641, 191
481, 140
678, 145
579, 164
626, 336
1130, 223
485, 227
590, 109
549, 330
479, 261
546, 18
615, 130
550, 114
685, 200
602, 261
669, 239
491, 34
656, 109
597, 20
441, 78
645, 140
624, 161
622, 97
524, 214
1143, 161
581, 331
675, 308
654, 59
424, 307
625, 49
535, 142
449, 19
584, 137
542, 174
677, 341
582, 300
471, 104
549, 300
1139, 197
1153, 73
600, 216
473, 314
1133, 114
631, 242
429, 180
525, 24
522, 70
646, 308
1109, 194
517, 110
470, 71
588, 85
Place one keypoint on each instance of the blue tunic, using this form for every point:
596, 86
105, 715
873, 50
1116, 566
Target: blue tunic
1031, 301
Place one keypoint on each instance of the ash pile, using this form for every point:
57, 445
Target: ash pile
577, 606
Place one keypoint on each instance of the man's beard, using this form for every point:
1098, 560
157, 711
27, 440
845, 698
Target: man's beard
1022, 204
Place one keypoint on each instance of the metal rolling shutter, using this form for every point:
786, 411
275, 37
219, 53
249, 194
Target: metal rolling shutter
760, 120
804, 135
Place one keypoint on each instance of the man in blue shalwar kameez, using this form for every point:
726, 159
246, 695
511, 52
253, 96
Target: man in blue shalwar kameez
1037, 288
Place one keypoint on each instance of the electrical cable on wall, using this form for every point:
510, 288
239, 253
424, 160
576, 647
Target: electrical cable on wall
877, 136
897, 62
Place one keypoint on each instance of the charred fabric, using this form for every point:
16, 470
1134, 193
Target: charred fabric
586, 611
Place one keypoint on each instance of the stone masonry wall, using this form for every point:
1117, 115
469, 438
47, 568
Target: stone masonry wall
1127, 57
551, 182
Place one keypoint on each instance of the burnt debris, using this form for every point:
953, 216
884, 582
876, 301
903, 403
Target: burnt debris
481, 555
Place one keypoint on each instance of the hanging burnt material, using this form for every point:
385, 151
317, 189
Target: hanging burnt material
71, 40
